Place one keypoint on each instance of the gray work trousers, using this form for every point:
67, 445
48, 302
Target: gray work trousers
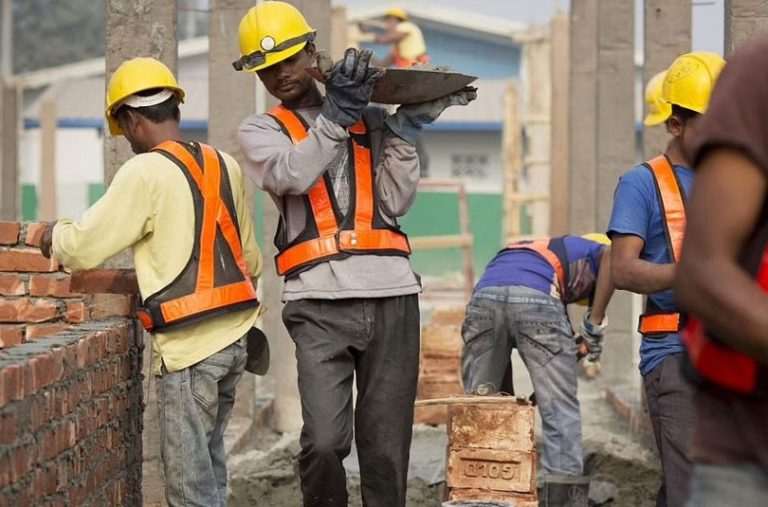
376, 340
672, 411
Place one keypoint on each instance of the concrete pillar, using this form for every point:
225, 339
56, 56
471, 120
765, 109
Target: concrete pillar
667, 28
559, 196
287, 410
140, 29
582, 115
743, 20
9, 151
46, 208
136, 29
339, 32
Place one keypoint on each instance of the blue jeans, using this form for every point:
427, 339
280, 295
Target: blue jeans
500, 318
742, 484
194, 408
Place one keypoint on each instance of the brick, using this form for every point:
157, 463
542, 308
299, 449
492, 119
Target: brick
27, 310
26, 260
491, 469
11, 383
34, 233
57, 285
105, 281
11, 285
8, 428
504, 425
77, 311
37, 331
441, 340
516, 499
11, 335
9, 233
111, 305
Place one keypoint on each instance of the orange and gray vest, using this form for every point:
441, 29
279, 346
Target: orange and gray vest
215, 280
328, 235
554, 252
403, 63
653, 322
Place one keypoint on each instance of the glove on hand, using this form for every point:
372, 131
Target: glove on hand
593, 335
348, 87
407, 121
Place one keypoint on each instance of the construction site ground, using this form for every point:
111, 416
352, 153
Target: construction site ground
622, 463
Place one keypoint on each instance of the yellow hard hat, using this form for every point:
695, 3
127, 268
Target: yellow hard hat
271, 32
132, 77
598, 238
658, 110
396, 12
690, 79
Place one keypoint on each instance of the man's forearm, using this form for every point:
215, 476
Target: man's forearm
643, 277
604, 288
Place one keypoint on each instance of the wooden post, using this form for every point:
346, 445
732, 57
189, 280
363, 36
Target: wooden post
46, 210
9, 171
744, 19
465, 228
339, 32
510, 139
559, 203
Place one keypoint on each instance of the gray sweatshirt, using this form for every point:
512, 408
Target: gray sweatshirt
287, 172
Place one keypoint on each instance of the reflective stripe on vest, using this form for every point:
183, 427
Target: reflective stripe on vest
722, 365
672, 205
402, 63
331, 241
205, 298
541, 247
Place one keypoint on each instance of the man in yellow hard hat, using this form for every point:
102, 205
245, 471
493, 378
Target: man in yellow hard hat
521, 302
196, 271
659, 110
405, 37
646, 227
340, 173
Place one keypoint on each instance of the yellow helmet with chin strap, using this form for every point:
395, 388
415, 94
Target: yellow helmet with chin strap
135, 76
397, 12
690, 80
658, 110
271, 32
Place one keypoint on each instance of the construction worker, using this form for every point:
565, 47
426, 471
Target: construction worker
196, 270
722, 280
340, 173
405, 37
646, 227
658, 110
521, 301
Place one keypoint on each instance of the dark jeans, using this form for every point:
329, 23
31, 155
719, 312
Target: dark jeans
378, 341
673, 417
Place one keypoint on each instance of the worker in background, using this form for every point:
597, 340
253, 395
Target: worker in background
521, 301
405, 37
646, 228
196, 271
341, 173
722, 280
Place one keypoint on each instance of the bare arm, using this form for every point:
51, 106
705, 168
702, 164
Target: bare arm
603, 288
392, 37
725, 205
631, 273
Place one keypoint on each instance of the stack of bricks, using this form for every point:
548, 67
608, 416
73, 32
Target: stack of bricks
492, 451
70, 381
38, 299
440, 363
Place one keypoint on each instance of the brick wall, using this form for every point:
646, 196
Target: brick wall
70, 381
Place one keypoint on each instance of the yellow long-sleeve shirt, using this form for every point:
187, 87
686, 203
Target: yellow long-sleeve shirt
149, 207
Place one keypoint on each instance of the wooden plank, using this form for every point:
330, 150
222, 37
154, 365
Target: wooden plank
438, 242
46, 210
9, 179
511, 149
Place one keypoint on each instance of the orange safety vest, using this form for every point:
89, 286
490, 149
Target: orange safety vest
672, 204
215, 279
719, 364
403, 63
554, 252
327, 235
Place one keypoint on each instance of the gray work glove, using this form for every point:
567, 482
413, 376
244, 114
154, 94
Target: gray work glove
593, 336
408, 120
348, 87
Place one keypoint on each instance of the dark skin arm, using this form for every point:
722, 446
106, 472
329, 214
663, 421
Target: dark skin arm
392, 37
603, 288
631, 273
729, 190
46, 239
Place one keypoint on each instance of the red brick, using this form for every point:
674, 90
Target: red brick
34, 233
8, 429
111, 305
11, 383
51, 285
105, 281
9, 233
11, 335
11, 285
27, 310
77, 311
26, 260
35, 331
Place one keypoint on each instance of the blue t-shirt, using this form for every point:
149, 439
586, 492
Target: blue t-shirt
529, 269
636, 211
